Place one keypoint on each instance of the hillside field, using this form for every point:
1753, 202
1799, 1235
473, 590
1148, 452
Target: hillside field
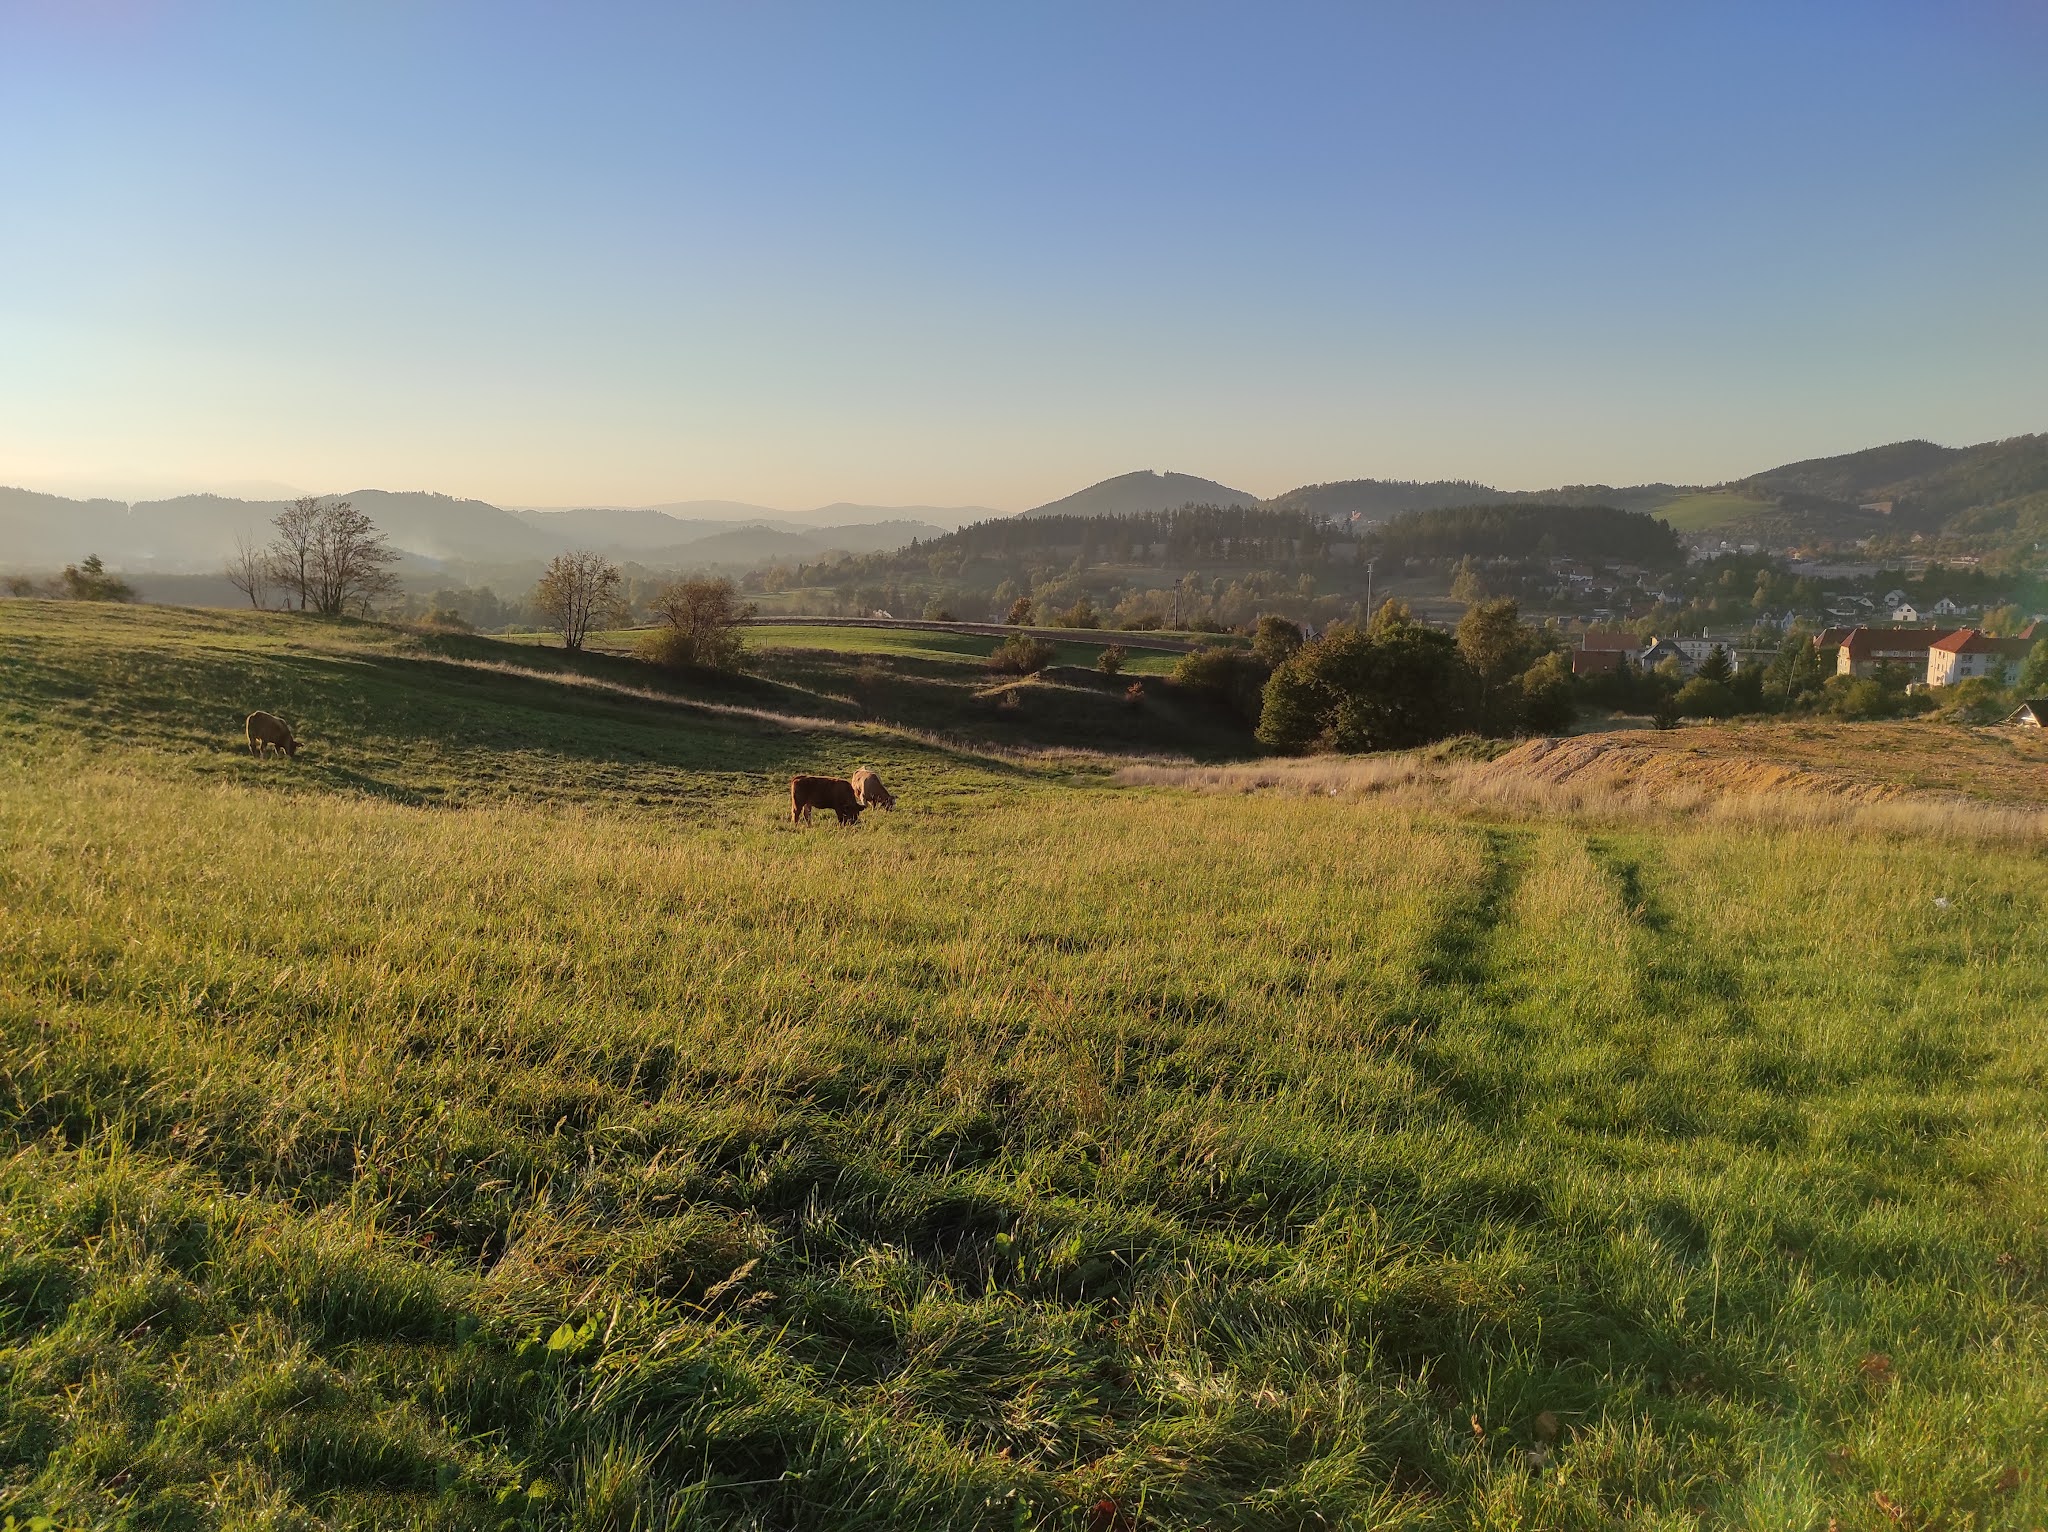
498, 1116
1705, 510
925, 644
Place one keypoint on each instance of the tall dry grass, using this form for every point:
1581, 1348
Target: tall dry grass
1418, 781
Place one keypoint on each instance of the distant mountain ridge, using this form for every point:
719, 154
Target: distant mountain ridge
197, 533
1993, 495
1133, 494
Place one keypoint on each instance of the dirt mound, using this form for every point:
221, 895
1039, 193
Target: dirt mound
1659, 766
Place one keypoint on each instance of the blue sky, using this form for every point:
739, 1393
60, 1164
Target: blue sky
788, 253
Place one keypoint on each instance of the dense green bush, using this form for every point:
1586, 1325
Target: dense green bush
1020, 655
1274, 641
1392, 687
1232, 677
1548, 705
1705, 697
699, 626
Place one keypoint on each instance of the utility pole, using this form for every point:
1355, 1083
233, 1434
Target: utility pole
1368, 588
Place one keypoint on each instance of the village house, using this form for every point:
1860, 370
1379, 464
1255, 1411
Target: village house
1864, 649
1598, 653
1947, 607
1905, 612
1696, 650
1967, 654
1658, 650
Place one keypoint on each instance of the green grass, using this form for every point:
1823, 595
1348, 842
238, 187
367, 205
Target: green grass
1709, 509
958, 647
589, 1149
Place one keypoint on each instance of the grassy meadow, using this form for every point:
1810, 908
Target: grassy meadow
1706, 509
928, 644
498, 1117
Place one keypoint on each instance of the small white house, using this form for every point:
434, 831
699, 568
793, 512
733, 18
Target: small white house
1904, 612
1894, 598
1947, 607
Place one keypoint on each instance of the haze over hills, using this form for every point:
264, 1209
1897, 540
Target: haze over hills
196, 533
840, 513
1991, 495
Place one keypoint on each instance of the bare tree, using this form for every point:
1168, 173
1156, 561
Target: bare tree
351, 561
249, 570
700, 625
291, 551
578, 591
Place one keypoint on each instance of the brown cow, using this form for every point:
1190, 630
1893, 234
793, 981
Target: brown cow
834, 793
268, 731
868, 788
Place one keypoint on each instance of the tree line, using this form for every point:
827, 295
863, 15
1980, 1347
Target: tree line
1523, 531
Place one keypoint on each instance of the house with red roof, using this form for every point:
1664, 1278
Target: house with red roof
1864, 649
1967, 654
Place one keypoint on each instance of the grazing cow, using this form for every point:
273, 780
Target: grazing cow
268, 731
868, 788
834, 793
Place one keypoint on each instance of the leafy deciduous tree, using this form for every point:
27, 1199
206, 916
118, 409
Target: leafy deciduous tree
700, 625
1391, 688
1275, 640
1498, 646
352, 562
578, 591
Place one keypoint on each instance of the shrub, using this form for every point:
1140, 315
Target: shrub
698, 626
1548, 706
1391, 688
2034, 674
1703, 697
91, 582
1020, 655
1081, 614
1231, 677
1978, 700
1134, 694
1868, 699
1111, 660
935, 611
1274, 641
1020, 612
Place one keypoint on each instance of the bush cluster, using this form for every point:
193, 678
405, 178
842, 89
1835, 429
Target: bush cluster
1020, 655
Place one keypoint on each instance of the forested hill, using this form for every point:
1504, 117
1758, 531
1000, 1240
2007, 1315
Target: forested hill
1991, 495
1377, 499
1189, 535
1136, 494
1520, 531
1204, 536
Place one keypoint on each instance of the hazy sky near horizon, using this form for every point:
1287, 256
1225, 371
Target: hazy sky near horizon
791, 253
